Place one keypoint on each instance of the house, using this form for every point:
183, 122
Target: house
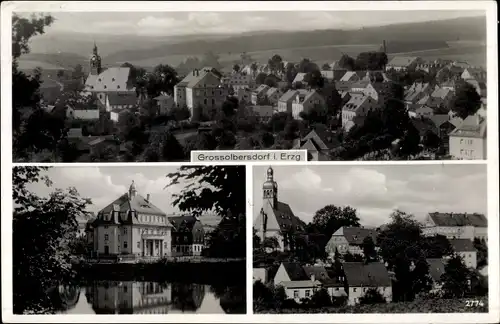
474, 73
273, 95
82, 113
120, 100
276, 219
349, 239
480, 86
240, 81
402, 63
456, 225
259, 94
328, 76
356, 109
296, 282
115, 114
261, 274
132, 225
188, 235
360, 277
359, 86
424, 111
318, 143
436, 270
306, 100
286, 100
243, 95
424, 126
338, 71
442, 97
444, 127
468, 140
105, 81
204, 93
430, 67
299, 79
466, 250
416, 92
165, 103
351, 76
74, 133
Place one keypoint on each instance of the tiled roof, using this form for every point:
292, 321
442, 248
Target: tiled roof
436, 268
300, 284
439, 120
200, 76
462, 245
271, 91
441, 93
328, 139
295, 271
319, 272
299, 77
472, 126
122, 98
289, 95
402, 61
455, 219
183, 222
286, 219
261, 88
356, 101
372, 274
356, 235
111, 79
138, 204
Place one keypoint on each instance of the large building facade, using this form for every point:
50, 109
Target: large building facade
132, 226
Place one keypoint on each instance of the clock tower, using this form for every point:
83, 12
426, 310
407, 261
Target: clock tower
95, 62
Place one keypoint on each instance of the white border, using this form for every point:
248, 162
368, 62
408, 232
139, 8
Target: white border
492, 163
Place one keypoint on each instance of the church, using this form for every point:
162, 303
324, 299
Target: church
133, 227
276, 219
112, 86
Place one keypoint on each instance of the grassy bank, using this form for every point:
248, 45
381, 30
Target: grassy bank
419, 306
230, 272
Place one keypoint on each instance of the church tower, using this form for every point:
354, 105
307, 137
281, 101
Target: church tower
270, 189
95, 62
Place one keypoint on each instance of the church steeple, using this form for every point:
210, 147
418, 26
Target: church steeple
95, 61
270, 189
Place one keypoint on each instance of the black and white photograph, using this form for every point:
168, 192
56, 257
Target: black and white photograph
370, 239
155, 86
129, 240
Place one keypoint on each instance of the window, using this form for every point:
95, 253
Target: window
337, 289
113, 79
308, 292
354, 289
165, 245
118, 86
138, 244
205, 101
124, 288
105, 87
364, 289
125, 245
106, 237
125, 230
295, 294
105, 226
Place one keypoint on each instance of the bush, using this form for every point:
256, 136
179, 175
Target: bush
321, 298
372, 296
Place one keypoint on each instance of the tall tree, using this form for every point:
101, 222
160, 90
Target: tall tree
236, 68
369, 249
455, 278
275, 63
330, 218
217, 188
466, 101
43, 231
347, 62
163, 79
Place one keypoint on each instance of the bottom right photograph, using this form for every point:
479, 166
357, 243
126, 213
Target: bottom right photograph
370, 238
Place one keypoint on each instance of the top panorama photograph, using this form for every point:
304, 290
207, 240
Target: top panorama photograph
154, 86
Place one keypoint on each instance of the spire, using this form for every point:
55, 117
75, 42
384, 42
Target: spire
95, 49
270, 173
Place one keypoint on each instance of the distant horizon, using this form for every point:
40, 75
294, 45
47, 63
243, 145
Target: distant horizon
182, 24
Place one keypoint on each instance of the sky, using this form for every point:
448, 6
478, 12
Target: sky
188, 23
105, 184
375, 191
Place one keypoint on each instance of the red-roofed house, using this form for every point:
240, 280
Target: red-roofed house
276, 219
132, 225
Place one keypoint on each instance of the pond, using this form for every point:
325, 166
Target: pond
147, 297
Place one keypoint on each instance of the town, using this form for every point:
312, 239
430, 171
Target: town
336, 265
130, 255
371, 106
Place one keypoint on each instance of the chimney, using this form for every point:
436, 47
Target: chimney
194, 72
147, 197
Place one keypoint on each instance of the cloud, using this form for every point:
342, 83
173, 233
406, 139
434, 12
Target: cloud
375, 191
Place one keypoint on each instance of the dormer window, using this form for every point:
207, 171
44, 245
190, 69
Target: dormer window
113, 79
105, 87
118, 86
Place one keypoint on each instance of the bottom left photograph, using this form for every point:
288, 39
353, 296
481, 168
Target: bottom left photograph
129, 240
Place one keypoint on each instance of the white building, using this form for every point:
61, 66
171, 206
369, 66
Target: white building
349, 239
465, 249
457, 226
468, 140
361, 277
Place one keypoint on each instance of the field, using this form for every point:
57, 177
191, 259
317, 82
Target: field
469, 51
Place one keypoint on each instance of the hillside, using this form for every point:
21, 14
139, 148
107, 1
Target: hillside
462, 28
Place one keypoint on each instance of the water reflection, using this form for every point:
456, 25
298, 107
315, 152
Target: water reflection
136, 297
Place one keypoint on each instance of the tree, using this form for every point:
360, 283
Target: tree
307, 66
482, 252
326, 67
466, 101
77, 72
314, 79
431, 140
410, 144
170, 148
421, 279
236, 68
260, 78
346, 62
127, 123
163, 79
330, 218
180, 113
455, 278
230, 106
270, 81
275, 63
436, 247
290, 73
43, 231
372, 296
219, 189
371, 61
271, 243
369, 249
321, 298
